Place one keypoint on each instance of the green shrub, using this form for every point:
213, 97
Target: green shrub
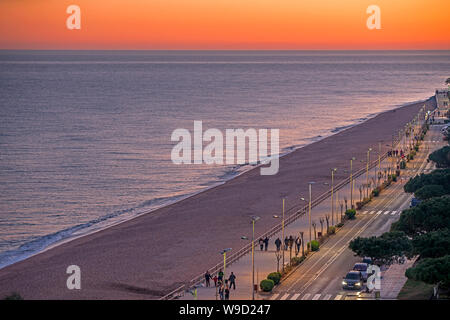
340, 225
275, 277
376, 192
314, 245
266, 285
394, 177
350, 214
416, 148
331, 230
403, 164
297, 260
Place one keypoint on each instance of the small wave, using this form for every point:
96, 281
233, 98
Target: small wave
39, 244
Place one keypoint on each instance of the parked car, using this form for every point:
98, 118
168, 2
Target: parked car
367, 260
414, 202
353, 280
361, 267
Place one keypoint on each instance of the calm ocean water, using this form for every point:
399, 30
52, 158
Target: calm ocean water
85, 135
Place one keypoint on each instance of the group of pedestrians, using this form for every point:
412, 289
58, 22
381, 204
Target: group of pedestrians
289, 242
224, 285
395, 153
263, 244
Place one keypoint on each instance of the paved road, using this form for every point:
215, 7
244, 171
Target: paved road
320, 276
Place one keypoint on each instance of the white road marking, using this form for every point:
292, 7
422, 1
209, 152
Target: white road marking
379, 212
306, 296
316, 297
393, 212
386, 212
295, 296
365, 212
340, 251
338, 297
327, 297
285, 296
275, 296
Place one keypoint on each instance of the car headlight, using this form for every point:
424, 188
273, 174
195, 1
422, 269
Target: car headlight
344, 282
358, 284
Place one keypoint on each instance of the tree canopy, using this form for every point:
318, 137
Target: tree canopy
433, 244
432, 271
437, 177
441, 157
430, 191
429, 215
386, 249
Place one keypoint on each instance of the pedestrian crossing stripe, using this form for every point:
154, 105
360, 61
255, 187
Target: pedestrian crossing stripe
307, 296
393, 212
372, 212
386, 212
275, 296
379, 212
365, 212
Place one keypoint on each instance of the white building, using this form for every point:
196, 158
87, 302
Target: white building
442, 98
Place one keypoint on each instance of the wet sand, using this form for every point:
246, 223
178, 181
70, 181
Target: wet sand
149, 256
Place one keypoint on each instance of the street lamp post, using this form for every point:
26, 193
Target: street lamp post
282, 235
254, 219
367, 171
224, 253
332, 203
379, 158
351, 181
309, 213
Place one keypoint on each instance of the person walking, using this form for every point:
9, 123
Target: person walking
286, 243
227, 292
278, 244
266, 243
207, 278
298, 243
261, 244
215, 280
232, 280
220, 278
221, 291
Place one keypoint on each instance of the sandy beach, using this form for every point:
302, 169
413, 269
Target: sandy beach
149, 256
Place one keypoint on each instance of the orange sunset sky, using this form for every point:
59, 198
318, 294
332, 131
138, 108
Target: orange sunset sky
225, 24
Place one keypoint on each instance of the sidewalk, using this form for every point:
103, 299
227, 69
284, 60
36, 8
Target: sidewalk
393, 279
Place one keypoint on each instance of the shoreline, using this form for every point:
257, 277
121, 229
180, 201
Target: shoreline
193, 204
89, 227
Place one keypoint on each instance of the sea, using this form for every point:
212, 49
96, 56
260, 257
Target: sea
85, 136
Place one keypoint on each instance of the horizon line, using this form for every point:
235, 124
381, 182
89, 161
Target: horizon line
128, 49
